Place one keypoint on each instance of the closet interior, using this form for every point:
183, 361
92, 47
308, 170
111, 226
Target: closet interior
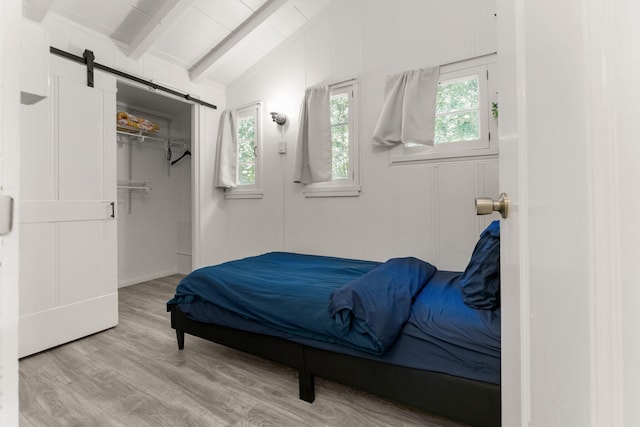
154, 185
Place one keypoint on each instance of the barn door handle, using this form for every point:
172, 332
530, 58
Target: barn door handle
6, 214
113, 209
485, 205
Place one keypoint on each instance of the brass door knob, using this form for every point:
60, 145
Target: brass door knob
486, 205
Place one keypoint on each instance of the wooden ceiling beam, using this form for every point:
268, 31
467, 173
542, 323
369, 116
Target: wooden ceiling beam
250, 24
159, 23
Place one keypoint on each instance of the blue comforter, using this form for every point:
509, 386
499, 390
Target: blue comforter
361, 304
378, 304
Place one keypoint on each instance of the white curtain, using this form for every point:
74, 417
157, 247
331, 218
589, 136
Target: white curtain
313, 156
408, 111
226, 152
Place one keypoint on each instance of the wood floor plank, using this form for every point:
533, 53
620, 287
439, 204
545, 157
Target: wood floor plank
134, 375
43, 402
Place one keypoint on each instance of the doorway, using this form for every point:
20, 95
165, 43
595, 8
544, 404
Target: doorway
154, 185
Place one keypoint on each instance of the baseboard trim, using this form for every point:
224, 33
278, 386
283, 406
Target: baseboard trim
122, 283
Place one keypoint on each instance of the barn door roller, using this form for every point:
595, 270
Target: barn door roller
88, 59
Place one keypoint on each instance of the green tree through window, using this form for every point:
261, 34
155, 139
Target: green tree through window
339, 105
246, 168
457, 110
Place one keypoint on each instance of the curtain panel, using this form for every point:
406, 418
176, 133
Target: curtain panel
226, 152
408, 110
313, 156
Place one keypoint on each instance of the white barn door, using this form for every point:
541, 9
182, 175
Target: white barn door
68, 270
9, 187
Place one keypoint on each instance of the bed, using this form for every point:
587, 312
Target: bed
400, 329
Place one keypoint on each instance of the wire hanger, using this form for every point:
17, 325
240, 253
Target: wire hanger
186, 153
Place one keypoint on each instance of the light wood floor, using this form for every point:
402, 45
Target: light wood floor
134, 375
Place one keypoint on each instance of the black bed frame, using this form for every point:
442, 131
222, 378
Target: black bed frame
469, 401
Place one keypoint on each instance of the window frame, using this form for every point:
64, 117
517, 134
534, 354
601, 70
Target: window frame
249, 191
487, 145
349, 187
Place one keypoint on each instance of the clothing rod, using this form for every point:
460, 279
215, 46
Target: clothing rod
151, 145
141, 136
133, 187
136, 79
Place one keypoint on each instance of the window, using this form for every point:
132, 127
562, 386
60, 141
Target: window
458, 110
344, 144
248, 153
463, 123
246, 166
340, 164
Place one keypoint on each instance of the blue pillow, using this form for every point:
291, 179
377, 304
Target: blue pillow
480, 281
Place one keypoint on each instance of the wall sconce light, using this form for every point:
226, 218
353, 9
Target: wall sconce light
279, 118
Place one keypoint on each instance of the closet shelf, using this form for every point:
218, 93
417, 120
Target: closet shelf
140, 136
135, 131
134, 185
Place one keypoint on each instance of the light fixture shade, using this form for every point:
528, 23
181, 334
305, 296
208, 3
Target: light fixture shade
279, 118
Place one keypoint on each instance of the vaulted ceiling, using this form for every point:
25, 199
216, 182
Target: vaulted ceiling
215, 39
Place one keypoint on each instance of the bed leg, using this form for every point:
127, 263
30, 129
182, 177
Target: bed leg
180, 336
307, 388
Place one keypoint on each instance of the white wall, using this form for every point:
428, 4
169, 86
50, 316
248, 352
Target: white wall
422, 210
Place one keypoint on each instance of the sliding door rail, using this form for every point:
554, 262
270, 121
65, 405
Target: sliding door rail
88, 57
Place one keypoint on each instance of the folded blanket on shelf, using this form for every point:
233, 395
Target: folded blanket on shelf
129, 121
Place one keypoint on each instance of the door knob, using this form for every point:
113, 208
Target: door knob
485, 205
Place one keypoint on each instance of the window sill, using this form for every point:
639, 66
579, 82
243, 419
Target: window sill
332, 191
243, 194
450, 155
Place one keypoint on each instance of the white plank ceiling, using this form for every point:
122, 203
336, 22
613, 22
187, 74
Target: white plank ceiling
214, 39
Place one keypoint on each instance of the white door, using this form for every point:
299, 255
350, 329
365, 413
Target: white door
68, 248
9, 184
569, 159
